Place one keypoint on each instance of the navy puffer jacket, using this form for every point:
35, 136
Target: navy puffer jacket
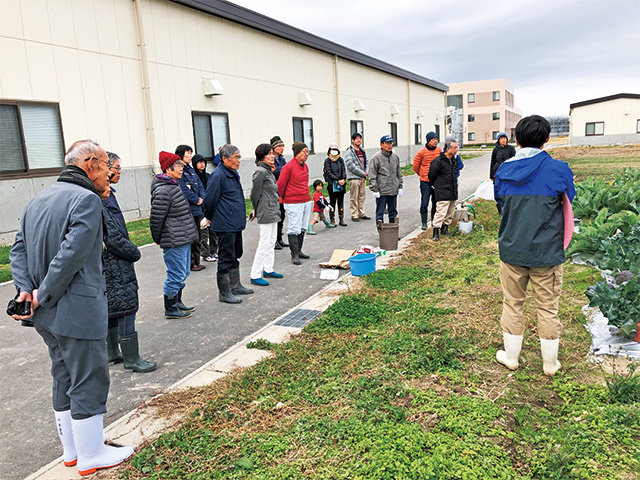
118, 257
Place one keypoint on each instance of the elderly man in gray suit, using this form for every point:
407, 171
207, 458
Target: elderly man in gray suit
56, 265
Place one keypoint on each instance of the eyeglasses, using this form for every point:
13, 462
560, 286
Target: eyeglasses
117, 169
178, 164
236, 157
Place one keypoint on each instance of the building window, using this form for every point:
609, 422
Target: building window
418, 130
595, 128
471, 97
357, 126
471, 118
496, 115
496, 96
437, 130
638, 126
495, 135
471, 137
30, 139
393, 131
210, 132
454, 101
303, 131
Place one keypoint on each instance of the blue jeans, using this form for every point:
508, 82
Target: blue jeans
425, 195
126, 324
178, 262
381, 204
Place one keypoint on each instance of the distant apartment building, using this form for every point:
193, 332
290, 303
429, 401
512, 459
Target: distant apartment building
478, 111
605, 121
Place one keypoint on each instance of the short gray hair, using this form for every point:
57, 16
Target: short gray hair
80, 150
228, 151
113, 158
448, 144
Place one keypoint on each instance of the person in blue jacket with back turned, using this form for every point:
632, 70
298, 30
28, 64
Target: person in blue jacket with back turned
529, 188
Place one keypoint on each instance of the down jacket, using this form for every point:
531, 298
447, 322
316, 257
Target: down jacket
499, 155
442, 173
353, 165
118, 257
334, 170
170, 221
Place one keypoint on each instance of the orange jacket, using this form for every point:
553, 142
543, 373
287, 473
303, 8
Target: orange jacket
422, 161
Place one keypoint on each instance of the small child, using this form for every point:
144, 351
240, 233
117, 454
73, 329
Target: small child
319, 204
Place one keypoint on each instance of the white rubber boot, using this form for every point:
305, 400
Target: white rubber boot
549, 350
511, 353
63, 426
93, 454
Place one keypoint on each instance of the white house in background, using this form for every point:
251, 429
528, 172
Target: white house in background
140, 76
604, 121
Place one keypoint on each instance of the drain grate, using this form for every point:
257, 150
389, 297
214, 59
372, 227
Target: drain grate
299, 318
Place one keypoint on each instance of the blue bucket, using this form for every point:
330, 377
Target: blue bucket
362, 264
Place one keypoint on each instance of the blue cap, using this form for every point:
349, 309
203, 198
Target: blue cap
386, 138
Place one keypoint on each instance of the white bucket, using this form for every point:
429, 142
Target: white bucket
465, 227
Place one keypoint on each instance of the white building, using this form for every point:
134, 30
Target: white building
605, 121
140, 76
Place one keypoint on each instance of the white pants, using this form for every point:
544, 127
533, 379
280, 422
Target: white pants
265, 253
299, 215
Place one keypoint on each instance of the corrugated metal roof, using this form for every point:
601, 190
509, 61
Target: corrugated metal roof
251, 19
604, 99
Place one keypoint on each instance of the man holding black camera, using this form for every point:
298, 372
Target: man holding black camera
57, 266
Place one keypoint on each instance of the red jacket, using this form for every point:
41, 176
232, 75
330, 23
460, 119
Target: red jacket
293, 183
422, 162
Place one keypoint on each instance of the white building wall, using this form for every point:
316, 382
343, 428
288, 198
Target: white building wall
83, 55
620, 117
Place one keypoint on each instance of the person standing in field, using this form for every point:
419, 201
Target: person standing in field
530, 187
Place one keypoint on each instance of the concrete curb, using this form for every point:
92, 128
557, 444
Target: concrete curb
143, 424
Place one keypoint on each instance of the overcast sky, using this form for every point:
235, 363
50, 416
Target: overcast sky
554, 52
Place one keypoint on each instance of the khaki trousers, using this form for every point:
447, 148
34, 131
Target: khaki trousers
357, 196
444, 213
546, 285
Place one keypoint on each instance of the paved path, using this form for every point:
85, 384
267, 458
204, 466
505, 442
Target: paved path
27, 436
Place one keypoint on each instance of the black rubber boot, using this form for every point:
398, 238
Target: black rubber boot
224, 290
293, 245
181, 305
171, 309
132, 360
113, 350
332, 217
424, 216
341, 215
444, 230
300, 242
436, 234
236, 287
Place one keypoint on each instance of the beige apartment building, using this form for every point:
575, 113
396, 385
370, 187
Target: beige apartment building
483, 109
140, 76
611, 120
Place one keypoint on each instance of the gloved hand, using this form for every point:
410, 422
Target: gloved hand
204, 223
330, 208
400, 192
376, 194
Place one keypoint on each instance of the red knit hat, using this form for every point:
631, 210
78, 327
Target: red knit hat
167, 159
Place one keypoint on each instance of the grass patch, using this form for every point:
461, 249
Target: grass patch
261, 344
398, 379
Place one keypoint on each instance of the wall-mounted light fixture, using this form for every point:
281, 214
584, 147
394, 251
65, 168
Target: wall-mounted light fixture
395, 110
211, 87
358, 106
304, 99
419, 113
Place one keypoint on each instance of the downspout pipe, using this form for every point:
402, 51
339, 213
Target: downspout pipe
146, 91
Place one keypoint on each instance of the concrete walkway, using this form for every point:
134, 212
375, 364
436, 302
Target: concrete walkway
27, 437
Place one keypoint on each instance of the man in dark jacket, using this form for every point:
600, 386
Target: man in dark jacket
172, 227
225, 208
442, 174
501, 152
278, 148
56, 265
194, 191
530, 188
